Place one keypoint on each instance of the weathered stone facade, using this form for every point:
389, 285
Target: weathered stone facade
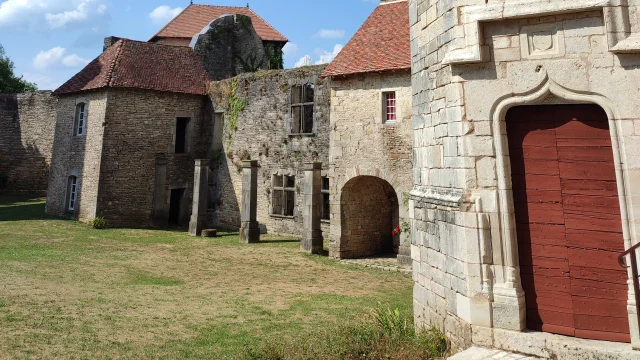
253, 121
115, 162
27, 123
78, 156
473, 61
364, 145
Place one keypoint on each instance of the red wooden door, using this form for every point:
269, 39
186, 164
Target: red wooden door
568, 221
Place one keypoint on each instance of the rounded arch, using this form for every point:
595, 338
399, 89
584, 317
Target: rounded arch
369, 213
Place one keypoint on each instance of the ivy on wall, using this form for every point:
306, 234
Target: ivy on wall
235, 105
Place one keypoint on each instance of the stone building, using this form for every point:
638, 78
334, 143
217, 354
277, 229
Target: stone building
27, 123
525, 119
181, 30
126, 136
370, 155
279, 118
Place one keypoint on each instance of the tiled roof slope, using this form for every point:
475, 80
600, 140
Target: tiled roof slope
195, 17
142, 65
381, 44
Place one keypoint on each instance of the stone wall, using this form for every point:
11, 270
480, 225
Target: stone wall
78, 156
470, 65
231, 46
362, 144
261, 131
27, 123
140, 125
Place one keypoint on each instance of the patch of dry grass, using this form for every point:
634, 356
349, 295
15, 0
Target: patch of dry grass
68, 291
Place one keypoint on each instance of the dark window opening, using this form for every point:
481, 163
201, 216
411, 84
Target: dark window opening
326, 209
175, 203
181, 135
72, 193
302, 106
284, 195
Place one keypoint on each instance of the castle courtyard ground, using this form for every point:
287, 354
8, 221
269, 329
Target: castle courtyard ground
69, 291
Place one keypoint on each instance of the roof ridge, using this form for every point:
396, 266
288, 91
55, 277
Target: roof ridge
169, 23
114, 63
268, 24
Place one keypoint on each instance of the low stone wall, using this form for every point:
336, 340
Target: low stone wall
27, 125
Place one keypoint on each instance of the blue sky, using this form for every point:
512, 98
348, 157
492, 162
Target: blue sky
51, 40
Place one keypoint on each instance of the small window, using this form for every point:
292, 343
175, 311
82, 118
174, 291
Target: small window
284, 195
181, 135
389, 106
80, 123
72, 193
326, 209
302, 102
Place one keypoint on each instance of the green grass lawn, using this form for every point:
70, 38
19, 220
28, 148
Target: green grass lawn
68, 291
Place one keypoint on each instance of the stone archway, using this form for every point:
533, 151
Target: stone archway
369, 213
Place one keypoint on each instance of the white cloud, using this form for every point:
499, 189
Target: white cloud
57, 58
326, 56
43, 82
330, 34
163, 14
290, 49
304, 61
53, 14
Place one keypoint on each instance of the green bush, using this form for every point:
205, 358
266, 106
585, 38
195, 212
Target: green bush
388, 334
98, 223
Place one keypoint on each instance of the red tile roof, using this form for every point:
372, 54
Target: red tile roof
142, 65
195, 17
381, 44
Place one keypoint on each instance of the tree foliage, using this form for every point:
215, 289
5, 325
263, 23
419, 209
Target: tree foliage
9, 82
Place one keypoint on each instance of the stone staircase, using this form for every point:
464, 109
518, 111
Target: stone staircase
478, 353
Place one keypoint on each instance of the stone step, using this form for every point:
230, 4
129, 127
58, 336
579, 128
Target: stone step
478, 353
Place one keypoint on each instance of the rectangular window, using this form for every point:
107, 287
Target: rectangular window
284, 195
72, 193
326, 209
389, 106
80, 120
181, 135
302, 103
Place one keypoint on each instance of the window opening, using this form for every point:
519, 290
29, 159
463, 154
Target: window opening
181, 135
326, 210
72, 191
284, 190
302, 103
81, 115
389, 106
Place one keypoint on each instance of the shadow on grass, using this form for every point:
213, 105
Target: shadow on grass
22, 208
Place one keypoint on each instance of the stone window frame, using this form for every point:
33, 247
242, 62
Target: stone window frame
72, 188
326, 198
302, 104
188, 133
382, 117
80, 129
385, 106
285, 189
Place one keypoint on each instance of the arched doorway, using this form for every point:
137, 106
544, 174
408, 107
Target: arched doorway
568, 221
369, 214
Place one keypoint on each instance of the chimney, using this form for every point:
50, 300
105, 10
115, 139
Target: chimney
109, 41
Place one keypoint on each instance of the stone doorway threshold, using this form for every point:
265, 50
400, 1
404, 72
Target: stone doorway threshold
382, 262
539, 345
478, 353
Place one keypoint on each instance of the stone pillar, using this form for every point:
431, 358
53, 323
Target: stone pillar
249, 231
160, 217
312, 234
200, 198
